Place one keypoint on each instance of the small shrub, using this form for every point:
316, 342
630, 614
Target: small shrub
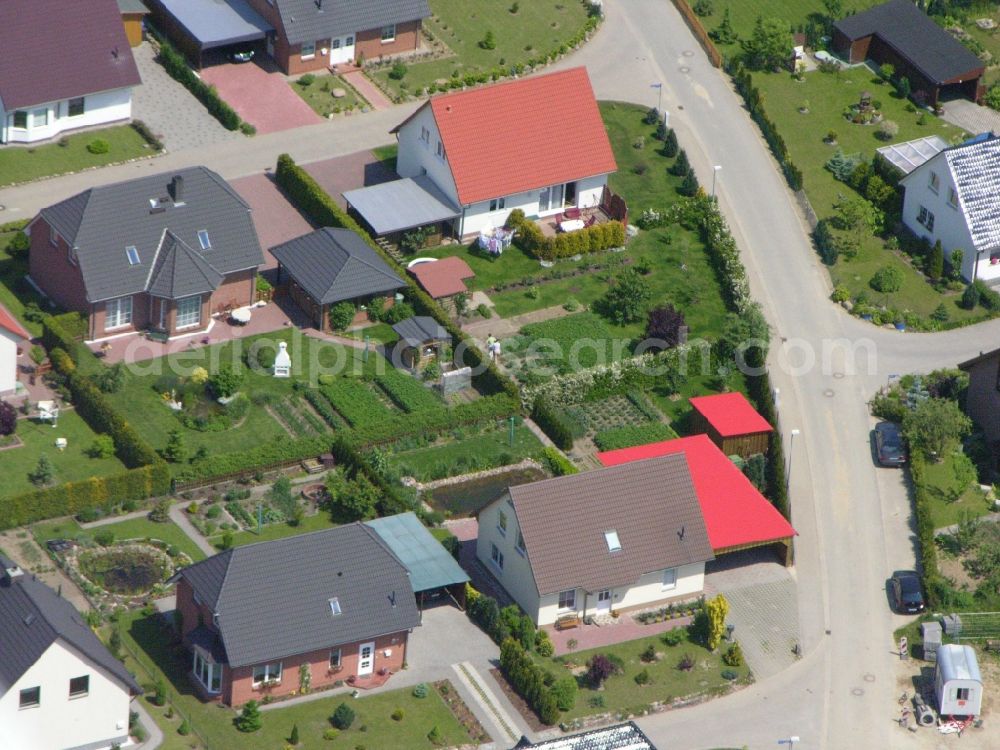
673, 637
102, 447
564, 691
728, 674
98, 146
343, 717
686, 663
184, 729
330, 734
398, 71
887, 280
293, 738
397, 715
435, 736
306, 80
420, 691
341, 315
648, 654
703, 8
642, 678
489, 41
733, 656
105, 537
249, 719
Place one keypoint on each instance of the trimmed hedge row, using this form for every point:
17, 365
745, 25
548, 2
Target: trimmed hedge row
433, 421
567, 244
406, 392
551, 421
73, 497
633, 434
312, 200
276, 451
558, 464
934, 584
56, 336
177, 67
755, 105
322, 407
528, 679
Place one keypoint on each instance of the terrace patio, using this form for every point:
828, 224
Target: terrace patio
550, 225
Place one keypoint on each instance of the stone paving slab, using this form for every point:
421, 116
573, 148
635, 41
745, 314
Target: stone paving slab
372, 93
170, 110
262, 98
275, 219
972, 117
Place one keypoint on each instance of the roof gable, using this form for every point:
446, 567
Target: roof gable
53, 50
336, 264
650, 504
309, 20
101, 222
179, 271
273, 598
522, 135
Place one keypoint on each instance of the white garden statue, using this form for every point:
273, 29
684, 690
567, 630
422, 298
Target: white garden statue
282, 362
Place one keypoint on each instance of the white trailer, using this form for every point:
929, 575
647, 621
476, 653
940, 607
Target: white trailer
958, 683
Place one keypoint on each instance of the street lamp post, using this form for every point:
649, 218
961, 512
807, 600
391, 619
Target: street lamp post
790, 741
791, 447
715, 174
659, 97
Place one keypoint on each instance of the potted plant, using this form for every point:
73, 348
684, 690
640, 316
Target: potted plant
900, 322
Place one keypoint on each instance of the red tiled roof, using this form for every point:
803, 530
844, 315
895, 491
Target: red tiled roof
444, 277
523, 135
735, 512
53, 50
730, 414
9, 323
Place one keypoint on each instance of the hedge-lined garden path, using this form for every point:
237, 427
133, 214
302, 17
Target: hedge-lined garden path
23, 550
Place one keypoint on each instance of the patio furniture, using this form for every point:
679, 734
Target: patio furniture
61, 444
240, 316
567, 622
572, 213
592, 220
571, 225
48, 411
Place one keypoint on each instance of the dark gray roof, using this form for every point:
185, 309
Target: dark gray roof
420, 329
625, 736
208, 641
908, 30
101, 222
179, 271
311, 20
32, 618
651, 505
53, 49
216, 23
401, 204
431, 566
336, 264
273, 598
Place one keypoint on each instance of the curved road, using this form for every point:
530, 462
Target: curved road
854, 521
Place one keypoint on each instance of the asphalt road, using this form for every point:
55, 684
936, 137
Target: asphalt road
854, 521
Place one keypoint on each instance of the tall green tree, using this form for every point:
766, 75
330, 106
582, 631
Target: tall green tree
769, 46
935, 262
934, 426
627, 299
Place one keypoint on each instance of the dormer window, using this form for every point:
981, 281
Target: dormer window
334, 606
132, 254
203, 239
611, 537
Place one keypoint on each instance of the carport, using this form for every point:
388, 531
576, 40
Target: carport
197, 26
391, 208
433, 571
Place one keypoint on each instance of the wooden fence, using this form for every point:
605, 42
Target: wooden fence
692, 20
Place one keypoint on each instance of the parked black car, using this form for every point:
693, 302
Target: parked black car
907, 596
889, 444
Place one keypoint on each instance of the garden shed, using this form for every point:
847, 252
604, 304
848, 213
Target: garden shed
420, 340
732, 424
958, 683
328, 266
433, 571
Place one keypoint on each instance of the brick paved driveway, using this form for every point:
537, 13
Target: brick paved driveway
275, 218
356, 170
262, 98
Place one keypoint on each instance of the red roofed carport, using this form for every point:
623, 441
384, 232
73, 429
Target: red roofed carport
737, 516
732, 423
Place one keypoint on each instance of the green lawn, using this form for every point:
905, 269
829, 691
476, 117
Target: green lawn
380, 333
153, 652
941, 482
538, 28
69, 465
318, 95
133, 528
15, 292
622, 693
21, 164
827, 95
486, 449
273, 531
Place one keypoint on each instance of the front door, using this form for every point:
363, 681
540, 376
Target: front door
603, 602
341, 49
366, 659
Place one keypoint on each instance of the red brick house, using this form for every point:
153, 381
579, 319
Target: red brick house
161, 253
333, 605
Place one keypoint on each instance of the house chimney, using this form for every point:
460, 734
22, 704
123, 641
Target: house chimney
177, 190
10, 571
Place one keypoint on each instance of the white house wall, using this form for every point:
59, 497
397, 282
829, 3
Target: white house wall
59, 723
516, 575
949, 222
8, 360
416, 157
99, 109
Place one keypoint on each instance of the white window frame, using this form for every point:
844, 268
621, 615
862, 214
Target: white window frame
388, 34
267, 672
567, 600
496, 557
311, 54
208, 673
669, 582
335, 608
498, 204
188, 318
44, 119
350, 41
131, 252
13, 119
21, 705
83, 106
54, 237
336, 658
80, 693
934, 183
502, 523
613, 541
335, 43
204, 241
120, 311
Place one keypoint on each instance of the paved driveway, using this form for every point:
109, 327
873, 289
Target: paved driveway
972, 117
349, 172
170, 110
262, 98
275, 219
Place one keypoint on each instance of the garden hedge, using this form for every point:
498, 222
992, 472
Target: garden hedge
557, 463
97, 492
546, 415
567, 244
312, 200
276, 451
528, 680
934, 584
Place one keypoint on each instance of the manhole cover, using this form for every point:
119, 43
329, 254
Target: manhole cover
838, 375
2, 207
828, 393
684, 69
857, 691
688, 53
869, 677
